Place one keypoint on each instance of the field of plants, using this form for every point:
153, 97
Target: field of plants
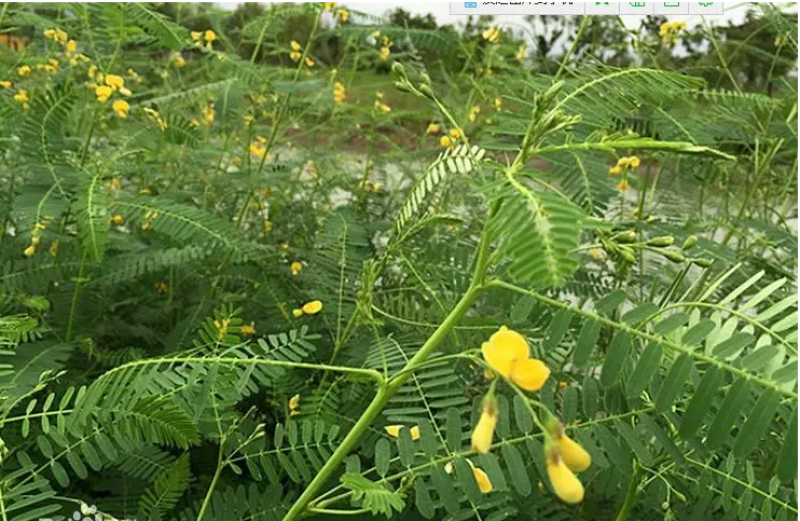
297, 261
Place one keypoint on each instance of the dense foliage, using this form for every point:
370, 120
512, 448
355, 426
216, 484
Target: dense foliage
255, 265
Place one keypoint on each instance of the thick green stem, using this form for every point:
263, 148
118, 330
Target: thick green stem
630, 498
377, 405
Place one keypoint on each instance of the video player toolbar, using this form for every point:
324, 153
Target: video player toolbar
592, 8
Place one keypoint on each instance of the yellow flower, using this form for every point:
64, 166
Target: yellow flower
309, 62
454, 133
54, 248
114, 81
433, 128
161, 287
473, 113
383, 107
375, 34
208, 114
91, 71
343, 15
566, 485
121, 107
118, 219
196, 35
596, 254
296, 268
339, 92
297, 312
492, 35
623, 185
295, 56
484, 430
329, 5
30, 251
114, 185
5, 84
384, 53
498, 103
482, 479
521, 52
295, 46
507, 352
210, 36
445, 142
248, 329
103, 92
574, 456
313, 307
394, 431
634, 162
24, 70
615, 170
21, 97
179, 60
71, 46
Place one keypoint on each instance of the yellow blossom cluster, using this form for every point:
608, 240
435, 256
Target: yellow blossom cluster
669, 32
433, 128
208, 36
106, 86
309, 308
623, 166
380, 105
36, 238
258, 147
296, 267
156, 118
296, 53
449, 141
507, 353
178, 59
386, 45
248, 329
473, 113
491, 35
339, 93
294, 405
522, 52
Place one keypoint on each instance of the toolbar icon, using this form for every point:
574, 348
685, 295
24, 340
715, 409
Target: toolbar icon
636, 7
471, 5
671, 8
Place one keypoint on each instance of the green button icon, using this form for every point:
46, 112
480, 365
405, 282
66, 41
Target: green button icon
637, 4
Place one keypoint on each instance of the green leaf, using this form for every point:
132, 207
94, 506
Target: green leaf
757, 423
673, 383
787, 461
729, 412
671, 323
516, 469
558, 327
383, 456
587, 339
695, 334
610, 302
640, 313
733, 345
615, 358
378, 498
701, 402
645, 369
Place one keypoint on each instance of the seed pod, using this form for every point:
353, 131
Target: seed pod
624, 237
674, 256
660, 242
628, 255
689, 243
402, 86
426, 90
703, 263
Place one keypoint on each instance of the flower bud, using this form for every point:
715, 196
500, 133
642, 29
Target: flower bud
674, 256
566, 485
484, 430
660, 242
625, 237
689, 243
575, 456
703, 263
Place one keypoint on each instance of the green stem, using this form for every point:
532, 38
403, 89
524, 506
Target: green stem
377, 405
217, 473
630, 497
567, 56
75, 296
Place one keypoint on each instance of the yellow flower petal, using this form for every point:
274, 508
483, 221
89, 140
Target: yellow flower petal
297, 313
394, 431
482, 479
574, 456
530, 373
484, 430
503, 349
294, 401
313, 307
566, 485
